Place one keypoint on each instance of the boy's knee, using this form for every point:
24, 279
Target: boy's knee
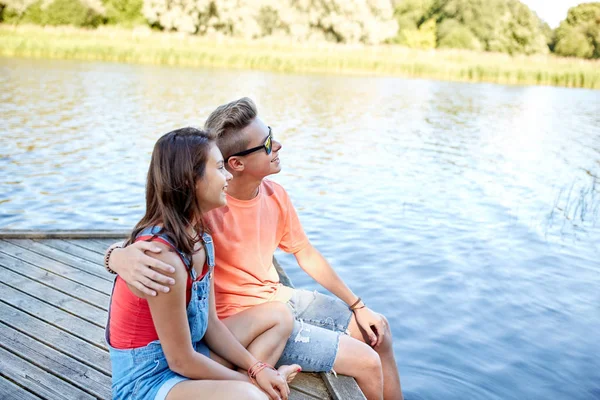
361, 360
372, 362
386, 342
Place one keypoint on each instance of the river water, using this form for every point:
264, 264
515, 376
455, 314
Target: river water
468, 214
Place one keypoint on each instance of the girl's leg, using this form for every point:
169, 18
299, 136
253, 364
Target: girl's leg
263, 330
217, 390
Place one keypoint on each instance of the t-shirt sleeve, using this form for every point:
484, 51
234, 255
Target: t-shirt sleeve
294, 239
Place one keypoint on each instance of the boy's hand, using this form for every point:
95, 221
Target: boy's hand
372, 323
140, 270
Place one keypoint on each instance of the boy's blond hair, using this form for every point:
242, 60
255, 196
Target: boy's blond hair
227, 123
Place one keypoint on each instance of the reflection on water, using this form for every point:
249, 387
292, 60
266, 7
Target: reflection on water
468, 214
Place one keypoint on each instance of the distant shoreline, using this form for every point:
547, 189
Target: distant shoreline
143, 46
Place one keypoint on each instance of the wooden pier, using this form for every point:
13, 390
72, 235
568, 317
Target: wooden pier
54, 295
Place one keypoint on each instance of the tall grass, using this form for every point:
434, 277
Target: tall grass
148, 47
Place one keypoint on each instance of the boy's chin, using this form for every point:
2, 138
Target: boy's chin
274, 171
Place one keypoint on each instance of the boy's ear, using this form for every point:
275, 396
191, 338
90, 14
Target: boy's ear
235, 164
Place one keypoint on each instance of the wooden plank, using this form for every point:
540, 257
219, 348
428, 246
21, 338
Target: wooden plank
54, 316
11, 391
310, 384
77, 374
60, 300
55, 282
107, 242
66, 343
101, 284
89, 245
75, 250
65, 234
36, 379
296, 395
342, 387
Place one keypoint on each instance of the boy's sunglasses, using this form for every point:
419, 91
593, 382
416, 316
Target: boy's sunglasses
267, 146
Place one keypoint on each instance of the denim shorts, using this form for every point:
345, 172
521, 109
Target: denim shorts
148, 364
319, 320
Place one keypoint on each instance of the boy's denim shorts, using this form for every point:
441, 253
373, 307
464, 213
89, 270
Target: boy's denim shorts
319, 322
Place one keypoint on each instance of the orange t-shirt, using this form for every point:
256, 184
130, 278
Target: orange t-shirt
246, 234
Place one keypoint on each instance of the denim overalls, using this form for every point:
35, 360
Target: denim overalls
143, 372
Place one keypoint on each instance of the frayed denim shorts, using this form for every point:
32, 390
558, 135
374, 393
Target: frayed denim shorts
319, 321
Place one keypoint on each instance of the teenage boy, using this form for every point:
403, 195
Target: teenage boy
340, 334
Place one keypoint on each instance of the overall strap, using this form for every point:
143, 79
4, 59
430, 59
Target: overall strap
209, 247
155, 231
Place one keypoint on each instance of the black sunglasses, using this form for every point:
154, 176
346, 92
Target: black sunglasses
267, 145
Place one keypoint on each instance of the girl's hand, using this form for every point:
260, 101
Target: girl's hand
273, 384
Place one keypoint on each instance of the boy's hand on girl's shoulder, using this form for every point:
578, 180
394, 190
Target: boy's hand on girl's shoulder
372, 323
141, 270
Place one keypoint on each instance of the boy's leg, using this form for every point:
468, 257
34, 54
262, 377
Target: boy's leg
317, 349
392, 388
319, 312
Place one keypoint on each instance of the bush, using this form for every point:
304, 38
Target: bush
124, 12
83, 13
579, 34
574, 43
454, 35
422, 38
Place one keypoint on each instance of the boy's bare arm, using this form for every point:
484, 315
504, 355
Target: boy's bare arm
315, 265
136, 266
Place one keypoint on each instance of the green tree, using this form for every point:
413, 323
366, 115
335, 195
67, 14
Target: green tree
124, 12
499, 25
454, 35
84, 13
414, 30
579, 34
424, 37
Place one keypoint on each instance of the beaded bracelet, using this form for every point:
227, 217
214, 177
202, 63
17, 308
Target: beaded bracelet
107, 257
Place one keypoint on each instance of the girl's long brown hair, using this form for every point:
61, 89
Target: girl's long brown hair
178, 161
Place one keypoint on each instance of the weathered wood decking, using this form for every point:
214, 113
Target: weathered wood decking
54, 297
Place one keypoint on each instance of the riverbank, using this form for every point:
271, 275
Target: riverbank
150, 47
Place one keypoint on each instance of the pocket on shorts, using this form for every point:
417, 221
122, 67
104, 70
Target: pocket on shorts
143, 377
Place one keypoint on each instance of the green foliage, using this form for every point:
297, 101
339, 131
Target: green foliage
454, 35
423, 37
83, 13
124, 12
579, 34
506, 26
411, 13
